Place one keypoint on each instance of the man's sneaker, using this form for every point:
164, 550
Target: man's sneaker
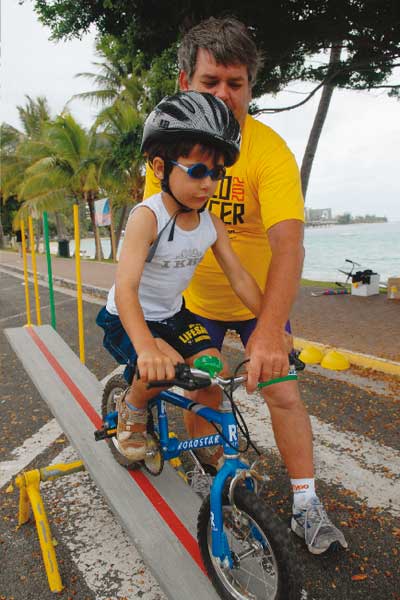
314, 526
131, 430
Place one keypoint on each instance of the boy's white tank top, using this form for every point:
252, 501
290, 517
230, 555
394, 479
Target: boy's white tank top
168, 274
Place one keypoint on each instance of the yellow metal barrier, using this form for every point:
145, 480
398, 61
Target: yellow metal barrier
34, 269
29, 497
79, 283
26, 283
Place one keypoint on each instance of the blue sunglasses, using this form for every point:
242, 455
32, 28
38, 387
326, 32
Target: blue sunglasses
200, 171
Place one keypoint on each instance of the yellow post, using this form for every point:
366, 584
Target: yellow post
35, 278
31, 481
25, 260
24, 508
79, 283
29, 496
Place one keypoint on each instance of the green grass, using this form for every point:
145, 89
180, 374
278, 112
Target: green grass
324, 284
330, 285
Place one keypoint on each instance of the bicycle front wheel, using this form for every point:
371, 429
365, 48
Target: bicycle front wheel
263, 565
113, 389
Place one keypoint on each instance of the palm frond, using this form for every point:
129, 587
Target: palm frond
50, 202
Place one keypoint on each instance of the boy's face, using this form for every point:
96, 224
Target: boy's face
192, 192
229, 83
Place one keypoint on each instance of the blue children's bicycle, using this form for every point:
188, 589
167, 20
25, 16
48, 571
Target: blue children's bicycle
245, 547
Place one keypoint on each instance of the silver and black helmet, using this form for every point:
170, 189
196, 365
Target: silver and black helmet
194, 115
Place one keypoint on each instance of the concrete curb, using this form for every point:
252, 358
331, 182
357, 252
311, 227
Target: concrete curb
366, 361
62, 281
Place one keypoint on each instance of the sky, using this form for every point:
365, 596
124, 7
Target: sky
357, 165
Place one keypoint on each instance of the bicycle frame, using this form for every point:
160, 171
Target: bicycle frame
172, 447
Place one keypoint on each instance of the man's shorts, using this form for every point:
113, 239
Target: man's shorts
183, 332
218, 329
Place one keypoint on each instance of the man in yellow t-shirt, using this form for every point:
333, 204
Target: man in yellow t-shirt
261, 204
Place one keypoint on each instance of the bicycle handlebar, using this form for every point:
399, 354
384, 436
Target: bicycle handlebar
191, 379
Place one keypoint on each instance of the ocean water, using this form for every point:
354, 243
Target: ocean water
375, 246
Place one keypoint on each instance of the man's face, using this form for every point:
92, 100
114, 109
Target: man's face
230, 84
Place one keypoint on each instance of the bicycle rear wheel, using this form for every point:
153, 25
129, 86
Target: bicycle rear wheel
263, 567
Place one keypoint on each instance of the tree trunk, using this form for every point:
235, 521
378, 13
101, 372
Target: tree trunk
113, 253
319, 121
61, 235
99, 250
38, 233
121, 226
1, 232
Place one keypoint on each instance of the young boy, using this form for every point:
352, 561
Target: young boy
188, 139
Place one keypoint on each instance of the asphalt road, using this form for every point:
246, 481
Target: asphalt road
357, 456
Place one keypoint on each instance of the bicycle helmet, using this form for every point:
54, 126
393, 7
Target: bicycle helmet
194, 116
197, 116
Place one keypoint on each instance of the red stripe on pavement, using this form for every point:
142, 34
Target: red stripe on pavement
66, 379
161, 506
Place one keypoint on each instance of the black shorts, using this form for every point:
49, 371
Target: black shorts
183, 332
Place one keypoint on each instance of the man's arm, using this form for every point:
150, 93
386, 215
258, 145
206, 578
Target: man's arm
267, 347
243, 284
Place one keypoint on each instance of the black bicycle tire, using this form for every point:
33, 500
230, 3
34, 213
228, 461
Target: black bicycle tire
116, 381
289, 574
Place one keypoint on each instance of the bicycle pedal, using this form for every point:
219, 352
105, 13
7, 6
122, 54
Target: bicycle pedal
104, 434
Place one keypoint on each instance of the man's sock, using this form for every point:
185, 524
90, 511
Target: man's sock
303, 491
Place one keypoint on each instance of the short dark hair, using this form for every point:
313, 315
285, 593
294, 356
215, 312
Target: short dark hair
171, 150
228, 40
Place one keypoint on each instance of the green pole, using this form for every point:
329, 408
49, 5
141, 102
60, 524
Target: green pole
49, 271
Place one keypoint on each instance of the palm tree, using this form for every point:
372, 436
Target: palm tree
34, 117
65, 168
10, 174
115, 79
120, 127
127, 91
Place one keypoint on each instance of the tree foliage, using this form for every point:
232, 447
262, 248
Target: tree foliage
288, 32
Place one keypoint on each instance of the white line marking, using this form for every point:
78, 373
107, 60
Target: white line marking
30, 449
23, 314
35, 445
107, 559
351, 460
11, 287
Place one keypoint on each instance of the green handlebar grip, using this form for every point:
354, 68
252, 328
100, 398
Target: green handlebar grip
277, 380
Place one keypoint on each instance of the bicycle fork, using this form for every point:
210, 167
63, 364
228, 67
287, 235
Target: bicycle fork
234, 469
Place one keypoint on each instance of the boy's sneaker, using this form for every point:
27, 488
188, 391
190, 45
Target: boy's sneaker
314, 526
131, 430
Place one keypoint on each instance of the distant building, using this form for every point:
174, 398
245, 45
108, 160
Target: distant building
318, 214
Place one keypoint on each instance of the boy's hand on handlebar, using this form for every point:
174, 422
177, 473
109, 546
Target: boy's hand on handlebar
155, 365
268, 354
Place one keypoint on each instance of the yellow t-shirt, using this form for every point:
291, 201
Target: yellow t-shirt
261, 189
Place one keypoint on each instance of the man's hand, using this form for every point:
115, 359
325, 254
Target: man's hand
268, 353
